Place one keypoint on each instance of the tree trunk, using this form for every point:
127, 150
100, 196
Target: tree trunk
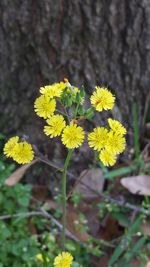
90, 42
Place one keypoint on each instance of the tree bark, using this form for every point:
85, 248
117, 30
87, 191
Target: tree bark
90, 42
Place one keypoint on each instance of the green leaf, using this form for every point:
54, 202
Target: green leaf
68, 102
2, 166
125, 242
120, 171
81, 110
82, 92
136, 248
78, 98
2, 136
121, 218
89, 113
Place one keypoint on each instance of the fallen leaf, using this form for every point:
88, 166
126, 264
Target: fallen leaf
139, 185
136, 263
75, 225
145, 228
90, 183
91, 212
17, 175
109, 229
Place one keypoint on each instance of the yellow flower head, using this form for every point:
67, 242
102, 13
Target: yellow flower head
64, 259
76, 89
115, 143
44, 106
23, 153
56, 124
97, 138
107, 157
102, 98
54, 90
9, 146
116, 126
73, 136
41, 259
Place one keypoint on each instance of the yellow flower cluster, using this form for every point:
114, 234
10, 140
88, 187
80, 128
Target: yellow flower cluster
64, 259
109, 143
54, 90
21, 152
45, 106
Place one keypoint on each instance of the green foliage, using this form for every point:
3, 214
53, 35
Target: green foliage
19, 246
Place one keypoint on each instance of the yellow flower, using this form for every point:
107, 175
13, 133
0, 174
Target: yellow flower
116, 126
64, 259
72, 136
115, 143
97, 138
56, 124
73, 89
54, 90
107, 157
41, 259
9, 146
44, 107
76, 89
102, 98
23, 153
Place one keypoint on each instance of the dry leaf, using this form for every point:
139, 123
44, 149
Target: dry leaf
145, 228
74, 224
91, 183
17, 175
139, 185
109, 229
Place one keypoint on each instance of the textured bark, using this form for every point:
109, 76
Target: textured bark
90, 42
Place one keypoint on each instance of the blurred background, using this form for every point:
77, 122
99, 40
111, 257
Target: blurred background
99, 42
89, 42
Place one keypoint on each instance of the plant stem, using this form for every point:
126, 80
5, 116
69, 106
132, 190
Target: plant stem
64, 183
76, 110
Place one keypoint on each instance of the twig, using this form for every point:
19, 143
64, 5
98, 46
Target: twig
121, 203
43, 213
59, 225
77, 182
21, 214
124, 204
50, 163
53, 165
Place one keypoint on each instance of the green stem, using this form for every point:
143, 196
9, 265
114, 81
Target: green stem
63, 113
64, 183
76, 110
